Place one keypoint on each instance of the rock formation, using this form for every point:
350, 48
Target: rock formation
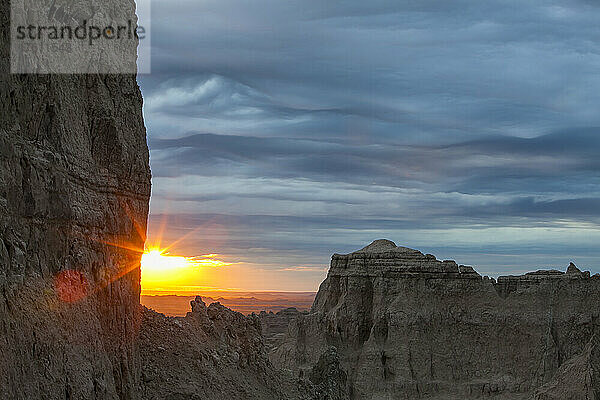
407, 326
212, 353
74, 190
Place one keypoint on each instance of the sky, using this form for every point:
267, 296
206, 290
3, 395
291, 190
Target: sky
282, 132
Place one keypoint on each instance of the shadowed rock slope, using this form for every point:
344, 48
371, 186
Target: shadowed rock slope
578, 378
408, 326
218, 354
74, 190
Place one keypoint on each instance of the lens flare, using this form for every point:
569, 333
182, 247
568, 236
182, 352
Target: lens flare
71, 286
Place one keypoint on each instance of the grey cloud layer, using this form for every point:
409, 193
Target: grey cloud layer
396, 68
555, 173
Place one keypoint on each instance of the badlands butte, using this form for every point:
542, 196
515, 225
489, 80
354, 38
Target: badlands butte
405, 325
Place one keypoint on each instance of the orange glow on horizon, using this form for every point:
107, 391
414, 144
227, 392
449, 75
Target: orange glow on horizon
162, 271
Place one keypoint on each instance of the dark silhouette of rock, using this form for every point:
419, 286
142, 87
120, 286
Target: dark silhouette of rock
408, 326
572, 269
198, 306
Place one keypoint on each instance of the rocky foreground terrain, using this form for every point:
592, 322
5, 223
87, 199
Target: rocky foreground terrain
212, 353
216, 353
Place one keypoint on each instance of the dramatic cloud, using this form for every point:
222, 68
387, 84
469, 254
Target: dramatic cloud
307, 127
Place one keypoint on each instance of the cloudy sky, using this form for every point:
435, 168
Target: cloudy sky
284, 131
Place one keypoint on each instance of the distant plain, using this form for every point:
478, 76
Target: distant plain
243, 302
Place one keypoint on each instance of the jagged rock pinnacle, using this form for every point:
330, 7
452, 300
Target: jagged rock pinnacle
198, 305
572, 269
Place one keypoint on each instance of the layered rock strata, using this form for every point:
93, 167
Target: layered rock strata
406, 326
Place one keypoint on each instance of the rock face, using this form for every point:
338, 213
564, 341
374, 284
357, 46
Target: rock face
275, 325
578, 378
407, 326
74, 190
328, 378
212, 353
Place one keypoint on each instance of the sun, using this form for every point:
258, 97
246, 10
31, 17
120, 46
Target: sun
156, 260
164, 271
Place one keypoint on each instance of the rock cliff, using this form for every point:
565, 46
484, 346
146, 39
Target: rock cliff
406, 325
74, 190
